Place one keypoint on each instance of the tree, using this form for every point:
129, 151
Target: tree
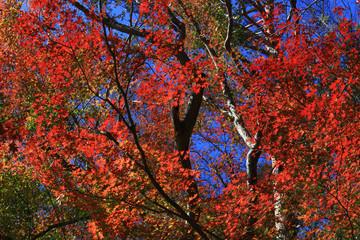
185, 119
30, 211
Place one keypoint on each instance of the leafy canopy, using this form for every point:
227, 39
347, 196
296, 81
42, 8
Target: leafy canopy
178, 120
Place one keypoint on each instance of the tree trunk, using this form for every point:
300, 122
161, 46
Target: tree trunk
280, 217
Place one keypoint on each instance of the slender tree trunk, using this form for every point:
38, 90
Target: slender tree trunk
183, 129
280, 217
252, 159
184, 126
182, 146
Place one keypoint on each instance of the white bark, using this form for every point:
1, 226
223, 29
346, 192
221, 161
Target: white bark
280, 217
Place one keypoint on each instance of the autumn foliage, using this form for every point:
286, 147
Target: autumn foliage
178, 119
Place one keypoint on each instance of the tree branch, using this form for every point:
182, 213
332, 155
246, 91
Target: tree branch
111, 22
59, 225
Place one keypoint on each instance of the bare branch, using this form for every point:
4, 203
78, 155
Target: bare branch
112, 23
59, 225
